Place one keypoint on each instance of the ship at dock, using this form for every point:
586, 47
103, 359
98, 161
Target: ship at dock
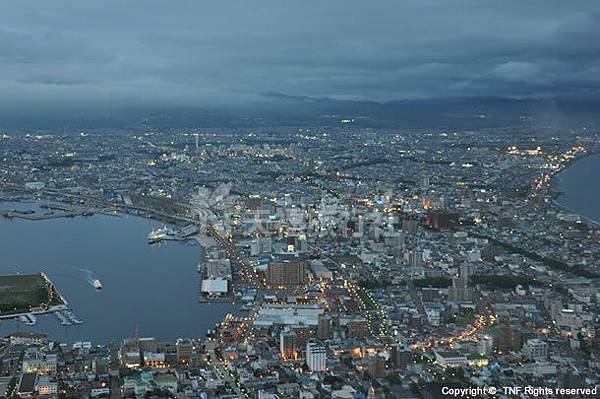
157, 235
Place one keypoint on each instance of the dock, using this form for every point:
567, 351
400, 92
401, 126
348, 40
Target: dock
31, 215
67, 318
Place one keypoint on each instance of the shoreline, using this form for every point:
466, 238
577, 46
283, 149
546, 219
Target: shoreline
593, 222
556, 192
49, 327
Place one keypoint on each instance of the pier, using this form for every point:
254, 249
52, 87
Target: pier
31, 215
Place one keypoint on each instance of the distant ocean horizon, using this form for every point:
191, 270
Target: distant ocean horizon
579, 186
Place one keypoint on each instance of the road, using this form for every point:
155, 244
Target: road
376, 317
222, 371
247, 273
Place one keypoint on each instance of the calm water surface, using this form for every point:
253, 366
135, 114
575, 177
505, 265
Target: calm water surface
580, 186
151, 288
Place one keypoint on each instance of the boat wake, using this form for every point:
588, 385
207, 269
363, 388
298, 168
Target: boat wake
91, 279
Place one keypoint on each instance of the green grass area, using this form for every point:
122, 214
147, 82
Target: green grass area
19, 293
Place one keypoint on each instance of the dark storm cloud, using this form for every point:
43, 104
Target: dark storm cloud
232, 51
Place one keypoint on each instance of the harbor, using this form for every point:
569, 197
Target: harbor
151, 287
12, 213
172, 234
54, 210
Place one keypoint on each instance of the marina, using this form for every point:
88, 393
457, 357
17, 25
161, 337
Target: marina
67, 318
29, 319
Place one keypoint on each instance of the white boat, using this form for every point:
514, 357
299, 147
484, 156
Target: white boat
160, 234
97, 284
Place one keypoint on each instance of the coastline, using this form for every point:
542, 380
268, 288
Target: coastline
192, 321
556, 191
593, 222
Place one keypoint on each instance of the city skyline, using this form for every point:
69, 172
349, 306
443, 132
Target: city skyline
299, 199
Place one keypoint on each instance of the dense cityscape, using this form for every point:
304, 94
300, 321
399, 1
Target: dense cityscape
299, 199
365, 263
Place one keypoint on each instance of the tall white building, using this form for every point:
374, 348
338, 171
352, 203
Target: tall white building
316, 355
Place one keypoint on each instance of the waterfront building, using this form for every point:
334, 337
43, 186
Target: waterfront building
185, 348
214, 287
25, 338
153, 359
35, 361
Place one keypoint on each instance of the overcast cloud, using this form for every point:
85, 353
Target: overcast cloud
199, 52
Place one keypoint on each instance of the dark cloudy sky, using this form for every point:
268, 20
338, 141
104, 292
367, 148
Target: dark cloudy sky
232, 51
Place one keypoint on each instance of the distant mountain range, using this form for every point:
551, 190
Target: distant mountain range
275, 109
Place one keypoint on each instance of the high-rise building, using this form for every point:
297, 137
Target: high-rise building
441, 219
324, 328
286, 273
287, 345
303, 334
262, 394
510, 339
316, 355
376, 366
401, 356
